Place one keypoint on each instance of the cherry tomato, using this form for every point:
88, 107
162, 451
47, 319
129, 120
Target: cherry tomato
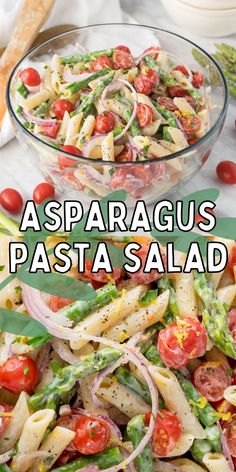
30, 76
50, 129
226, 171
153, 76
232, 322
232, 258
57, 303
92, 435
229, 429
102, 62
211, 379
191, 124
192, 140
105, 122
199, 218
59, 107
181, 341
153, 54
42, 192
144, 278
64, 161
144, 114
121, 47
198, 79
19, 374
176, 91
123, 60
192, 101
145, 83
182, 69
125, 156
4, 420
147, 418
167, 103
101, 275
11, 200
166, 432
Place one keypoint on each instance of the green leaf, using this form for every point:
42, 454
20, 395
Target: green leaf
57, 284
16, 323
225, 228
208, 194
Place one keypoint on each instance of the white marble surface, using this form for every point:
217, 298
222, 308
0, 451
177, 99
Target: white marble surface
18, 171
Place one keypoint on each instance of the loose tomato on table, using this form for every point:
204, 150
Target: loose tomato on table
64, 161
198, 79
166, 432
190, 123
50, 129
183, 69
102, 62
176, 91
102, 276
167, 103
144, 114
30, 77
232, 258
226, 171
211, 379
123, 59
92, 435
104, 123
59, 107
11, 200
4, 420
141, 277
19, 374
181, 341
42, 192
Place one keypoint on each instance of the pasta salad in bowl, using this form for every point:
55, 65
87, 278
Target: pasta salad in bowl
118, 107
140, 378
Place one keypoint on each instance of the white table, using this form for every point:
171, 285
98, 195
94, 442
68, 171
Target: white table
18, 171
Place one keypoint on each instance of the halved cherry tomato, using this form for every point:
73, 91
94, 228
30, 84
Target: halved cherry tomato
59, 107
192, 101
176, 91
92, 435
101, 275
232, 258
145, 83
153, 54
105, 122
166, 432
211, 379
199, 218
147, 418
123, 59
229, 429
144, 114
181, 341
167, 103
198, 79
42, 192
64, 161
102, 62
125, 156
232, 322
191, 124
19, 374
182, 69
121, 47
192, 140
153, 76
50, 129
57, 303
141, 277
4, 420
30, 76
226, 171
11, 200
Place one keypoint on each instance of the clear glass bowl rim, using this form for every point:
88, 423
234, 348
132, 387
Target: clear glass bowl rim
88, 160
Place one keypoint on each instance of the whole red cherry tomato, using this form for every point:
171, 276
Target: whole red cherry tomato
167, 103
211, 379
105, 122
42, 192
50, 129
4, 420
226, 171
176, 91
198, 79
11, 200
30, 77
64, 161
181, 341
191, 124
123, 59
144, 114
166, 432
59, 107
19, 374
121, 47
102, 62
92, 435
182, 69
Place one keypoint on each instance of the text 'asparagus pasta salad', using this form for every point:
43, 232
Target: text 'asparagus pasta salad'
111, 107
141, 377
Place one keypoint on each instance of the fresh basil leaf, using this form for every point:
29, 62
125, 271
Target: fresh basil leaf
16, 323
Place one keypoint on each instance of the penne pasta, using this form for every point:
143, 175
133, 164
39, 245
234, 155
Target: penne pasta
19, 416
73, 129
185, 295
54, 445
216, 462
186, 465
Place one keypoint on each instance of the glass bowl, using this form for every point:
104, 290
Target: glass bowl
149, 180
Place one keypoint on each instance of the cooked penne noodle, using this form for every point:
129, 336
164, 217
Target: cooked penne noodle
230, 394
36, 99
183, 445
185, 295
227, 294
185, 465
216, 462
54, 445
108, 153
73, 129
122, 398
12, 432
86, 131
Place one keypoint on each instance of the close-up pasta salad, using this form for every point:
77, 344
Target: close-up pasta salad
140, 378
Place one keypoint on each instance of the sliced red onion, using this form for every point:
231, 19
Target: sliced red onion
114, 428
70, 78
89, 468
90, 144
112, 87
135, 108
6, 456
42, 360
136, 150
144, 54
225, 447
65, 410
35, 119
181, 128
64, 352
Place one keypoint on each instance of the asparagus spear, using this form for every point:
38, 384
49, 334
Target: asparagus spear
134, 129
214, 316
95, 94
80, 309
136, 431
104, 460
50, 395
125, 377
167, 79
76, 86
167, 114
22, 90
153, 356
212, 443
86, 57
226, 56
213, 437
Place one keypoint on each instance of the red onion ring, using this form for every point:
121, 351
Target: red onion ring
6, 456
87, 147
70, 78
135, 149
64, 351
225, 447
35, 119
144, 54
42, 360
